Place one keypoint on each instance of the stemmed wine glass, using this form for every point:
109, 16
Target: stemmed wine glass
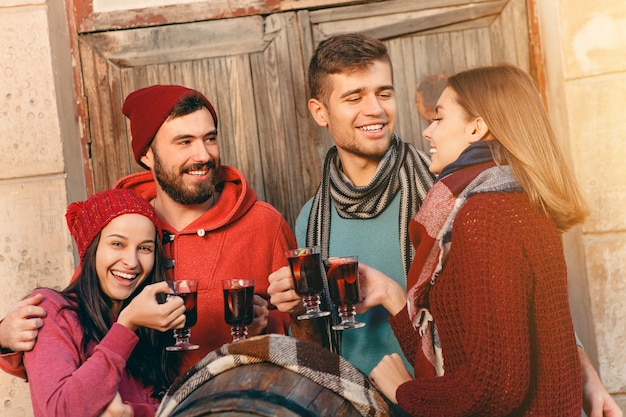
238, 305
342, 274
308, 282
187, 289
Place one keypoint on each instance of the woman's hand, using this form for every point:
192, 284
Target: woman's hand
145, 311
261, 315
117, 408
389, 374
376, 289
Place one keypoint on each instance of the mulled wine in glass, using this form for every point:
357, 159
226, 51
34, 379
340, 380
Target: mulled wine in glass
238, 306
342, 274
187, 289
308, 280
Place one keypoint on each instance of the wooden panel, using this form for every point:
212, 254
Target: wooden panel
88, 20
432, 37
253, 69
250, 68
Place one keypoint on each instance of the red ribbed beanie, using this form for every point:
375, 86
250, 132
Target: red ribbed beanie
147, 109
86, 219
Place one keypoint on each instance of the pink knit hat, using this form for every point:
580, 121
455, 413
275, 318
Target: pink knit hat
86, 219
147, 109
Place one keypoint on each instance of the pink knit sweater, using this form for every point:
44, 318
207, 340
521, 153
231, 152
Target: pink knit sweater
63, 383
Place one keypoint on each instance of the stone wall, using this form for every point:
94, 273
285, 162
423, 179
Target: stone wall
584, 46
38, 136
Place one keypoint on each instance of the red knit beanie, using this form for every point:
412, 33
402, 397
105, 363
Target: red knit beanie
86, 219
147, 109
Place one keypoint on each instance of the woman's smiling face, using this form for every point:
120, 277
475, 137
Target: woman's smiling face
449, 133
125, 256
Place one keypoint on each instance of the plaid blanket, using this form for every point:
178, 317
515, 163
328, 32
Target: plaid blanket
311, 361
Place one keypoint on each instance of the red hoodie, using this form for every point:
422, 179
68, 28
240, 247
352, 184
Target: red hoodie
238, 237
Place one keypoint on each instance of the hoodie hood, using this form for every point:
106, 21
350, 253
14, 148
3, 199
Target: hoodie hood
235, 198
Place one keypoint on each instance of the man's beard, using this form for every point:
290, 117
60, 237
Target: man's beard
173, 185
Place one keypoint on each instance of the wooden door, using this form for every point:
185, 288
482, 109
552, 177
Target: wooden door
253, 69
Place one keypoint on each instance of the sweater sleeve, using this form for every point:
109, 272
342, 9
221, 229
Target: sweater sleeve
12, 363
503, 318
406, 335
60, 382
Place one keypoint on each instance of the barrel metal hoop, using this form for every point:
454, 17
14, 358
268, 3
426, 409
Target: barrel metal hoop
265, 396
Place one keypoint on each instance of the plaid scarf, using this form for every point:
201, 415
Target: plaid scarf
434, 227
311, 361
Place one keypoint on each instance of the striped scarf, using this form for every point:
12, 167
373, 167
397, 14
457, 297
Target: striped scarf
403, 168
434, 230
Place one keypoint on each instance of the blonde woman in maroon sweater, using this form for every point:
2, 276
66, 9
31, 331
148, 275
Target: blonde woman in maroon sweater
486, 318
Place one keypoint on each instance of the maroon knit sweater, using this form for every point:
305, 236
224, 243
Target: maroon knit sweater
502, 311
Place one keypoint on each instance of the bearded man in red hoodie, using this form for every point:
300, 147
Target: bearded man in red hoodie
210, 215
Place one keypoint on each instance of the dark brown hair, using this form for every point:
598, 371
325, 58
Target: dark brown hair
342, 54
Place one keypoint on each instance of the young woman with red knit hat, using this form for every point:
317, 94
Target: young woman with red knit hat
486, 319
101, 346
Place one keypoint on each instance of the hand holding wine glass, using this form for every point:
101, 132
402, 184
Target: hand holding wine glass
308, 281
342, 274
187, 289
238, 305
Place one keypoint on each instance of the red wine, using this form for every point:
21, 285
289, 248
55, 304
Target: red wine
238, 306
191, 312
307, 274
342, 281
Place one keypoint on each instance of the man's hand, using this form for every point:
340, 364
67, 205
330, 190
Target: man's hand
117, 408
282, 293
145, 311
597, 401
261, 316
18, 330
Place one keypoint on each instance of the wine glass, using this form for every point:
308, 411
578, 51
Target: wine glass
308, 282
238, 306
187, 289
342, 274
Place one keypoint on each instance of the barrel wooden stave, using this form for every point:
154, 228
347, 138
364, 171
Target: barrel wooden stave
263, 389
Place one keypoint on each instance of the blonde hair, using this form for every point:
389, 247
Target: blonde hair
508, 101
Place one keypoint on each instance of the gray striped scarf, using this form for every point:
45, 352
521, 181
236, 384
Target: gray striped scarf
403, 168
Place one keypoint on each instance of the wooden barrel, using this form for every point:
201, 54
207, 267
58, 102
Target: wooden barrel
269, 389
263, 389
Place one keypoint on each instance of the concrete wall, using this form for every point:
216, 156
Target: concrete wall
584, 44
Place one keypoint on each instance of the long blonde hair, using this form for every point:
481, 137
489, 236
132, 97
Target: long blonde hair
508, 101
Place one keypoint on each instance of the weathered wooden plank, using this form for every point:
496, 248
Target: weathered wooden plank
383, 8
283, 162
122, 150
459, 56
443, 18
89, 21
290, 5
245, 135
100, 138
176, 43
